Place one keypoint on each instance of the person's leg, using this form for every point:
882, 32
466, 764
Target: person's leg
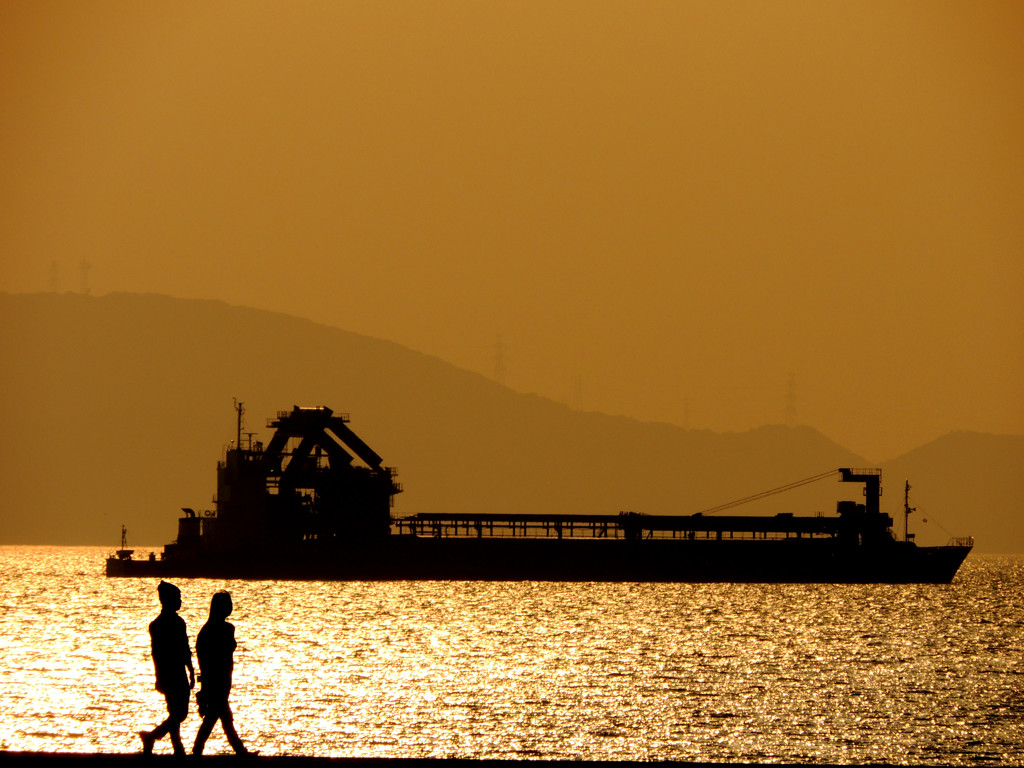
227, 722
179, 748
147, 741
177, 711
204, 732
149, 738
161, 730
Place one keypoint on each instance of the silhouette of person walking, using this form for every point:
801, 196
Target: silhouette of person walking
215, 647
171, 659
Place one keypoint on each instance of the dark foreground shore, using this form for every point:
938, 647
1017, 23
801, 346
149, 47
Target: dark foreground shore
79, 760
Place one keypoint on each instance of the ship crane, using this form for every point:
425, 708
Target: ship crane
872, 479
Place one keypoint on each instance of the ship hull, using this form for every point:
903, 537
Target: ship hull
470, 559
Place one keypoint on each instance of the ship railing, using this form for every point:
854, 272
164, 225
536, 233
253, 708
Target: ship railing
472, 527
961, 541
737, 535
477, 528
273, 422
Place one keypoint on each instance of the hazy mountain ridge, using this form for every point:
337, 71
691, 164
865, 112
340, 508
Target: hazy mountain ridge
116, 409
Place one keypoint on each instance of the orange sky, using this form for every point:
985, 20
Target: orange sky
677, 205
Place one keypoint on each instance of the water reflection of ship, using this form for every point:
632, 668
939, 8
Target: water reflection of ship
303, 508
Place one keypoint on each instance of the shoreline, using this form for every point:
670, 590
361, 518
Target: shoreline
73, 759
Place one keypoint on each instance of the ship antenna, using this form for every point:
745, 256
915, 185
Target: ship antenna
240, 411
907, 509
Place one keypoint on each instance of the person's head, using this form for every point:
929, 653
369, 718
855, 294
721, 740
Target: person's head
170, 596
220, 605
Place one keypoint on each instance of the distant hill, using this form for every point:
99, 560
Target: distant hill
116, 409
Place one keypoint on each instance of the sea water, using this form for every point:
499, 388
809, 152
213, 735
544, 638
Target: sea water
695, 672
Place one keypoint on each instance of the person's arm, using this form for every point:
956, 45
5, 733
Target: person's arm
156, 664
188, 661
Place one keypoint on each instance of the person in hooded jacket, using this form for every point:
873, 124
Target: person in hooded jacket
215, 648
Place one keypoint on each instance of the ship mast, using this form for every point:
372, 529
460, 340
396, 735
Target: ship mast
907, 509
240, 411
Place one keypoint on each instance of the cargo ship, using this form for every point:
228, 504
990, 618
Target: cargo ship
318, 503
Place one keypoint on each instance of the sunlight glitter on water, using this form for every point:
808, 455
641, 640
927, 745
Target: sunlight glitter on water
789, 673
